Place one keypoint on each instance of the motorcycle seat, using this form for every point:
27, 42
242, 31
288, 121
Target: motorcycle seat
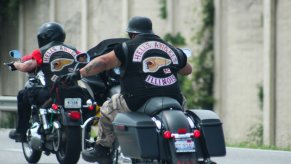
157, 104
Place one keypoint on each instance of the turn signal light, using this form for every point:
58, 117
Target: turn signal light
55, 106
196, 133
167, 135
91, 107
75, 115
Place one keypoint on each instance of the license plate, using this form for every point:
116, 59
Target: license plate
184, 146
73, 103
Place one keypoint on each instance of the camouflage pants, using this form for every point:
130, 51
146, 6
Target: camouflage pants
110, 108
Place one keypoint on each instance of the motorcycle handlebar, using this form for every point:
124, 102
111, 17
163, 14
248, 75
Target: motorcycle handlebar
10, 66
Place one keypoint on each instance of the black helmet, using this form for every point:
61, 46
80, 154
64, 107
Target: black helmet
140, 25
49, 32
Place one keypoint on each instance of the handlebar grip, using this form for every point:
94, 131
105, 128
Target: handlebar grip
10, 66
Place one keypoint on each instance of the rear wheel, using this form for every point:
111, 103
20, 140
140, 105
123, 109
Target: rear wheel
32, 147
70, 145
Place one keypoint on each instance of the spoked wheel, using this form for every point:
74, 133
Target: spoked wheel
70, 145
31, 155
57, 136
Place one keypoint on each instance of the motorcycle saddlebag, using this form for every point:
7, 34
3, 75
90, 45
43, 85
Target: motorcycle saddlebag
211, 130
136, 134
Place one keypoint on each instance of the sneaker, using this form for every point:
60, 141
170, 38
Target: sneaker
18, 137
98, 154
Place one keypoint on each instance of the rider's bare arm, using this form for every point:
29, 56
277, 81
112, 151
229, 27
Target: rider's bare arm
26, 66
100, 64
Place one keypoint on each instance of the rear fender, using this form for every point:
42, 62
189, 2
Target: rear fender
67, 121
173, 120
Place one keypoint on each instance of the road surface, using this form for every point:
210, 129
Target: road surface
11, 153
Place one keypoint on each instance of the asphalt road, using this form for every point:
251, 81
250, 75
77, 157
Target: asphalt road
11, 153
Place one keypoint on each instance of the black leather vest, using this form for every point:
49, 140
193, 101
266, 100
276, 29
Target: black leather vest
150, 70
58, 59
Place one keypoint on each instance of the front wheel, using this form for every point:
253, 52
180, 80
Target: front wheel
70, 146
31, 155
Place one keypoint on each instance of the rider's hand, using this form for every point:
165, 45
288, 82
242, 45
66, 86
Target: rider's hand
71, 77
11, 66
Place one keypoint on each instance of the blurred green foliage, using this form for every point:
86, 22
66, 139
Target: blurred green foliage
8, 9
198, 89
260, 95
163, 9
7, 120
177, 39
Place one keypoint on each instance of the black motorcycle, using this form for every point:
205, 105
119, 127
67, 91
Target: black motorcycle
160, 131
57, 128
101, 87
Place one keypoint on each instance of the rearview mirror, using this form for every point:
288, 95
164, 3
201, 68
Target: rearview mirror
187, 51
82, 58
15, 54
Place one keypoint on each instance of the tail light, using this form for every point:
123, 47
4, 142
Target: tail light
75, 115
196, 133
55, 106
181, 133
167, 135
182, 130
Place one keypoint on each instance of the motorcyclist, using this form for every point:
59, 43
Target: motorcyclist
54, 58
149, 68
23, 99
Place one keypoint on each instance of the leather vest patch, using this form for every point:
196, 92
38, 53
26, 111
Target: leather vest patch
58, 59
